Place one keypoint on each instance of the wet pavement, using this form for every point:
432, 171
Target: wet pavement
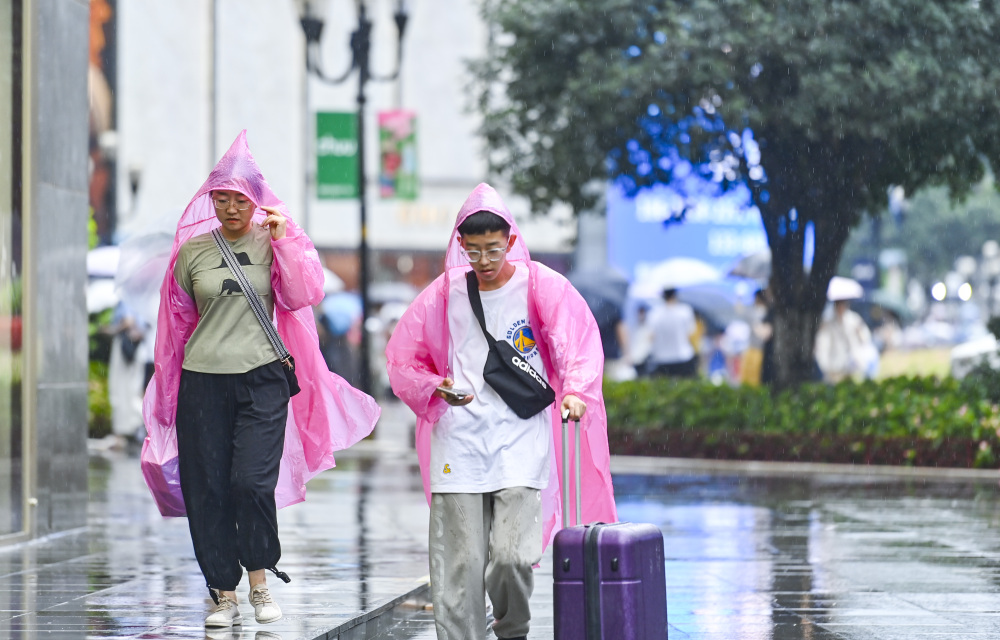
807, 556
357, 544
824, 557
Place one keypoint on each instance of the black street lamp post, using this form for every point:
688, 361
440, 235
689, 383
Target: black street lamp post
360, 43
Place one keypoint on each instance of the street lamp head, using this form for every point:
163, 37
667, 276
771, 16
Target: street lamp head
401, 16
312, 24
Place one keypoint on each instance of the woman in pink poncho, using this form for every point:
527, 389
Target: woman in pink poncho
226, 445
424, 353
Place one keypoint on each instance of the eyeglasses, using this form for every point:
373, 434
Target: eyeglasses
494, 255
241, 205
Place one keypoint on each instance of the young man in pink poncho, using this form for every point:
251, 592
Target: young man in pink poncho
226, 445
492, 477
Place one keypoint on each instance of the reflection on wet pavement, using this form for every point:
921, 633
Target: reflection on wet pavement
823, 557
814, 558
358, 540
811, 558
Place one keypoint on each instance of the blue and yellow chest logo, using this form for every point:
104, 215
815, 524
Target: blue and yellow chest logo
524, 340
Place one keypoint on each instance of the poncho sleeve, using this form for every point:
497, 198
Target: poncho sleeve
175, 324
572, 350
574, 341
296, 274
420, 335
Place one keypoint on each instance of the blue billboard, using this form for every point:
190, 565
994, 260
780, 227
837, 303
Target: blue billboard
717, 230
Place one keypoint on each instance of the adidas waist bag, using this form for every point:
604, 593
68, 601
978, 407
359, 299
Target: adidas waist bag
515, 381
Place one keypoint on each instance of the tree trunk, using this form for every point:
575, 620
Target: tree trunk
794, 338
799, 293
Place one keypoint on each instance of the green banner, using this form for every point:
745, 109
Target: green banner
336, 156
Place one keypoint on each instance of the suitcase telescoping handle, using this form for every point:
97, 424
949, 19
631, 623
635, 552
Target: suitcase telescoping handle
565, 473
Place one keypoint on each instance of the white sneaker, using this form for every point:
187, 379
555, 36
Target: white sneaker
265, 609
225, 614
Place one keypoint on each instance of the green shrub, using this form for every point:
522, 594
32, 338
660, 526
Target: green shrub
99, 403
942, 422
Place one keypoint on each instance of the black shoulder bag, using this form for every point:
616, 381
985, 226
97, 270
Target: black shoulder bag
258, 310
515, 381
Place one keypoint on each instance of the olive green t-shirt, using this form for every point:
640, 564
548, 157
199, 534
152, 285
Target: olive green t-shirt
228, 338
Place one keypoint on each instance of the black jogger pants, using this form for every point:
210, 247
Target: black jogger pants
230, 435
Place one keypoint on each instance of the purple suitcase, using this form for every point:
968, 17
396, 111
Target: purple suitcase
609, 580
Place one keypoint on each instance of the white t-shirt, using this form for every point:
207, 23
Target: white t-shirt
484, 446
671, 325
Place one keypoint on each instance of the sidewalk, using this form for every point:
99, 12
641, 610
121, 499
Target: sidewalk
355, 548
806, 552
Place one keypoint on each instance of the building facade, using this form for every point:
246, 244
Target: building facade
193, 73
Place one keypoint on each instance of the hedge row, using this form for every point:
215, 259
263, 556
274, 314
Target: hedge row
911, 421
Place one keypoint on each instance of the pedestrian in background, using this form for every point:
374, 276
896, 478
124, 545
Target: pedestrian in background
221, 391
673, 327
760, 334
126, 374
844, 347
641, 341
491, 476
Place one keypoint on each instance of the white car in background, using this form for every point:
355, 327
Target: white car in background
966, 356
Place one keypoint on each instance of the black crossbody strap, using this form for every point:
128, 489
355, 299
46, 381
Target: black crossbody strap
251, 295
477, 304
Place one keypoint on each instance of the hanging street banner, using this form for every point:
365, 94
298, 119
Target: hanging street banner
336, 156
397, 134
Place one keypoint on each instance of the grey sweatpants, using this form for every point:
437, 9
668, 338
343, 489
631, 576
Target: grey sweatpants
484, 543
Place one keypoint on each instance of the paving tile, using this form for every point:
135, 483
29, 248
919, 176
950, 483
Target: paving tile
811, 558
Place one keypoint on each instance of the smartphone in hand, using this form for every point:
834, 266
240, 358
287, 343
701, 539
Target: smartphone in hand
454, 394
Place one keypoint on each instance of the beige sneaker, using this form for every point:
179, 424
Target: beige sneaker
265, 609
225, 614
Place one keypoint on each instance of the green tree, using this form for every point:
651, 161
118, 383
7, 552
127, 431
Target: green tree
846, 99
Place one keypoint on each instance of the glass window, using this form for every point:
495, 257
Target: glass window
11, 427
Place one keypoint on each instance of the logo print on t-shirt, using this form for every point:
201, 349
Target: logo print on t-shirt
241, 258
447, 468
230, 288
524, 340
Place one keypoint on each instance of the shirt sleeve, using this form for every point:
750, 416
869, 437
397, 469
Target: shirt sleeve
181, 272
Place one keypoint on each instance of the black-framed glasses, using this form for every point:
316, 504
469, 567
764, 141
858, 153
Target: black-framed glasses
493, 255
225, 203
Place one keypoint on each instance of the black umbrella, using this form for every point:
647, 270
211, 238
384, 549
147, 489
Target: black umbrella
717, 307
600, 286
756, 266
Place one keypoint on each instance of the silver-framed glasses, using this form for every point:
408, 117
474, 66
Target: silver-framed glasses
493, 255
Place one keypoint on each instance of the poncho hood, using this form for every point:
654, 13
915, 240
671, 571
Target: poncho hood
484, 198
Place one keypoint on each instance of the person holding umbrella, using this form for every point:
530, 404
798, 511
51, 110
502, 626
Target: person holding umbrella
844, 347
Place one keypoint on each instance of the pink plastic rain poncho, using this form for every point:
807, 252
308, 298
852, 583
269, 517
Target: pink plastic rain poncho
326, 416
569, 344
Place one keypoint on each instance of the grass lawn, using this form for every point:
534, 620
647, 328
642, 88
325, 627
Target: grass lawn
915, 362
